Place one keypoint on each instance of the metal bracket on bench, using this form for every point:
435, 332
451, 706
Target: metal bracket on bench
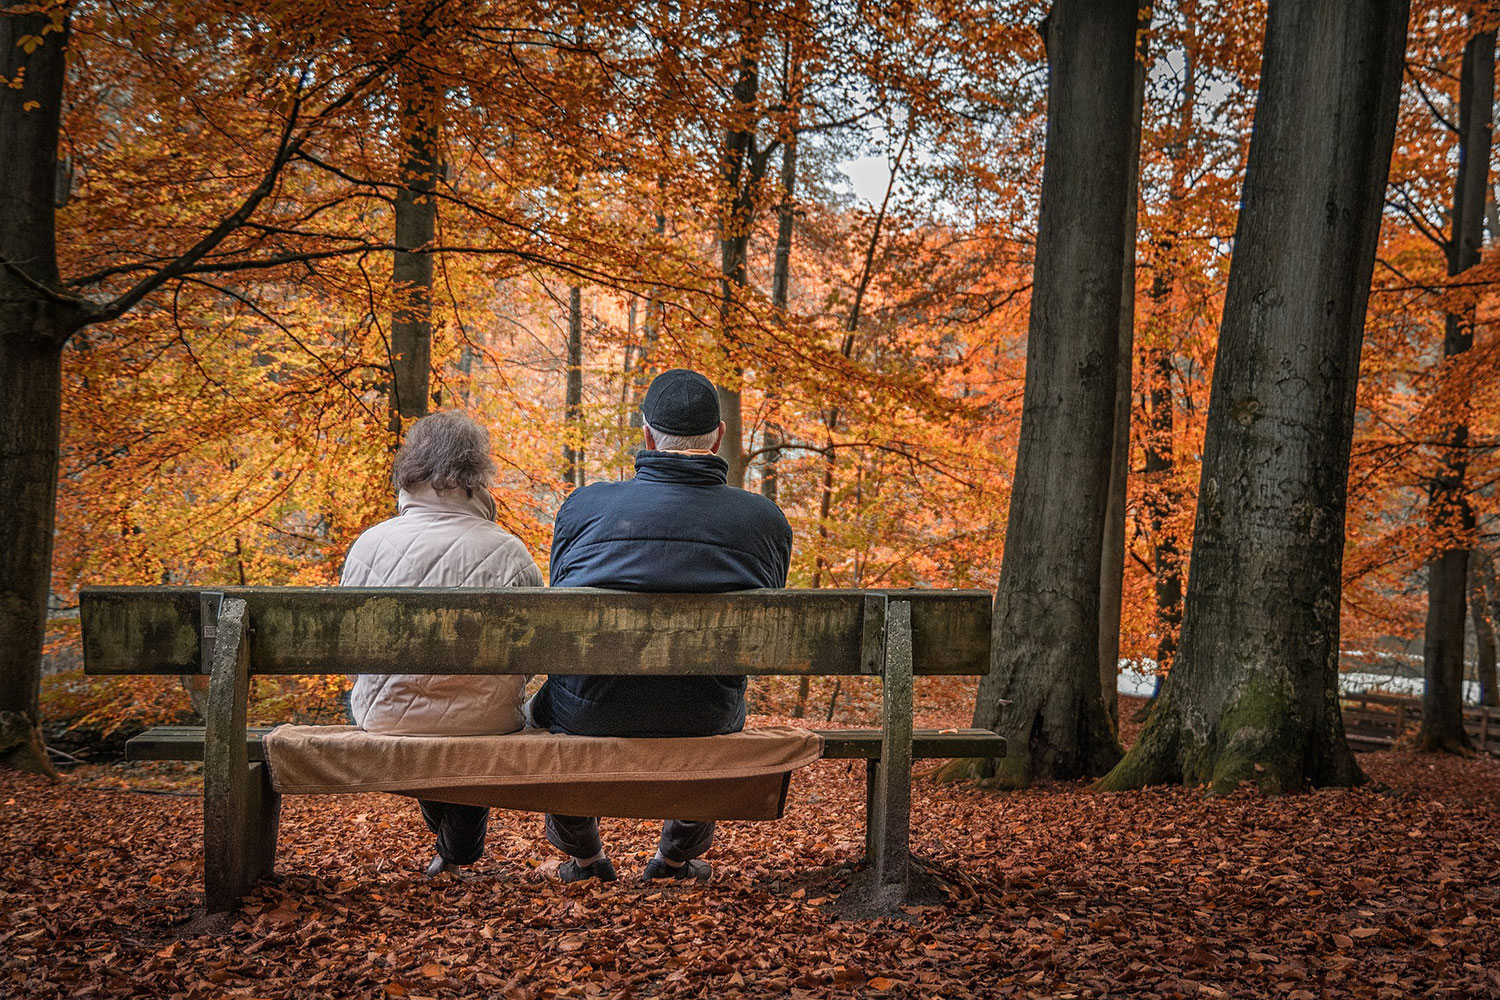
209, 604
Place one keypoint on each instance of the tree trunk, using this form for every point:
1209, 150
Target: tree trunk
1484, 626
1046, 659
1253, 695
645, 354
1489, 683
1112, 565
1449, 513
742, 171
416, 225
573, 404
33, 329
780, 281
832, 415
1161, 499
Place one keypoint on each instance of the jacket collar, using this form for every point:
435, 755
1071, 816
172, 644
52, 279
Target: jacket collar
422, 498
677, 467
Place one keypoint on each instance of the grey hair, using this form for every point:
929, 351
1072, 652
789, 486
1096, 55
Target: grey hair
447, 450
672, 442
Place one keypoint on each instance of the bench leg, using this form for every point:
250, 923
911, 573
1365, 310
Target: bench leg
890, 821
265, 816
241, 812
239, 837
872, 778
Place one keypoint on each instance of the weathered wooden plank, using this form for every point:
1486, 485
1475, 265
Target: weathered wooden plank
140, 630
186, 743
535, 631
856, 744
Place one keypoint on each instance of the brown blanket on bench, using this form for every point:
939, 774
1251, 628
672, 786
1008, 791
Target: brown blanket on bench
736, 776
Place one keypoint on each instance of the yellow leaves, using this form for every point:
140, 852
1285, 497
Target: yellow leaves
29, 43
31, 105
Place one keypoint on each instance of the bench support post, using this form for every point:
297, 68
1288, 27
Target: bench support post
889, 832
240, 809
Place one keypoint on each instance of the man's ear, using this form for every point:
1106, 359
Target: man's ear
719, 439
650, 438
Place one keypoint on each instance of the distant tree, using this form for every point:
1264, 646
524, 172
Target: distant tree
416, 211
573, 473
1112, 566
1449, 511
1481, 593
1253, 693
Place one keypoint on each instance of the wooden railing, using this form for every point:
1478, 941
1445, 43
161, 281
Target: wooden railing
1374, 721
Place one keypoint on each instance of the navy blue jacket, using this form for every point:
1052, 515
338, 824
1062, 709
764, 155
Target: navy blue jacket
675, 527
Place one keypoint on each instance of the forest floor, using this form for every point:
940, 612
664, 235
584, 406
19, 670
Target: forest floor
1391, 890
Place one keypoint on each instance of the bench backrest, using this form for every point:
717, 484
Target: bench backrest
348, 630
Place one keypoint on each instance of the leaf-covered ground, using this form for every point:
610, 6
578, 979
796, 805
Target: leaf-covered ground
1378, 892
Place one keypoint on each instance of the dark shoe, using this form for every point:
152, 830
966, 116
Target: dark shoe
439, 866
688, 871
571, 871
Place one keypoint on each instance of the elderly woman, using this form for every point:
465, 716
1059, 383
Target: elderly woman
444, 535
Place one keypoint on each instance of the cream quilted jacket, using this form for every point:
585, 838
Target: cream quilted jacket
439, 539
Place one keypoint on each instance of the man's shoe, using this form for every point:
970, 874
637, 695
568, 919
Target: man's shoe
689, 871
439, 866
571, 871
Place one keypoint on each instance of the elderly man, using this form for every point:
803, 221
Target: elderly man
676, 526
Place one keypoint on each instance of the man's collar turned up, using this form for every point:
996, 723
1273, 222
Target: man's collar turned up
681, 467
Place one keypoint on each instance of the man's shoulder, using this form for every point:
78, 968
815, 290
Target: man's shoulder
757, 505
740, 514
594, 496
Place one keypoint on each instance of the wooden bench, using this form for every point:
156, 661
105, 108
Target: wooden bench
1375, 721
234, 633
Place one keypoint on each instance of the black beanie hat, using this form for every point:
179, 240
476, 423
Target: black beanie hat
681, 403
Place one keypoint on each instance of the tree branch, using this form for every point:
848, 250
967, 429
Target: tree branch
182, 265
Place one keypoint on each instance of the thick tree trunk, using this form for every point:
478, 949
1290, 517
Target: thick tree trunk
416, 225
33, 329
573, 401
1112, 564
1449, 514
1253, 695
1046, 659
1484, 626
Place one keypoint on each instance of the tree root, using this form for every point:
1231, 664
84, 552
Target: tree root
21, 746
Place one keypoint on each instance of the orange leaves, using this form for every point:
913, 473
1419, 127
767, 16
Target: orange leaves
1049, 892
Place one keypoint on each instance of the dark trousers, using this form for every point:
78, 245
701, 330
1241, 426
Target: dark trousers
460, 829
681, 839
